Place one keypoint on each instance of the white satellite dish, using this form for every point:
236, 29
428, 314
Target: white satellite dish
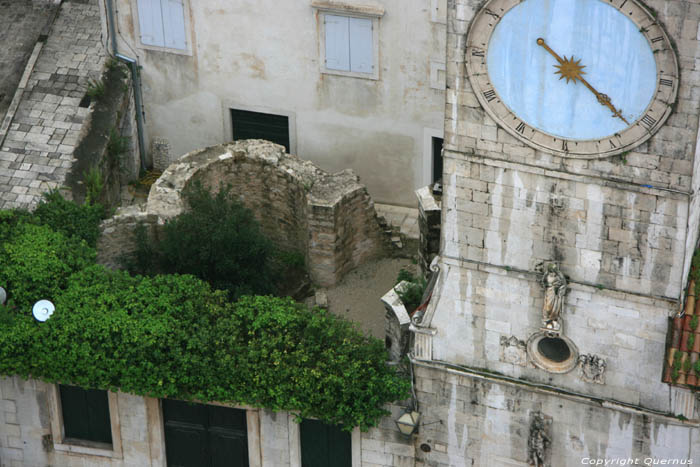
3, 296
42, 310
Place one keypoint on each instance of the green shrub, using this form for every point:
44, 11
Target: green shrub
412, 292
37, 261
116, 145
10, 220
218, 240
95, 88
172, 336
94, 184
70, 218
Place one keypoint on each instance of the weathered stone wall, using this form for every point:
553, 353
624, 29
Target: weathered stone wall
621, 236
484, 422
479, 306
597, 207
25, 429
374, 126
618, 228
116, 242
28, 422
329, 218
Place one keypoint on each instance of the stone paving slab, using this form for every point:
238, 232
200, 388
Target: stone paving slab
21, 23
405, 219
38, 150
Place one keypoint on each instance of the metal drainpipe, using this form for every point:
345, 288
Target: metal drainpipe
135, 79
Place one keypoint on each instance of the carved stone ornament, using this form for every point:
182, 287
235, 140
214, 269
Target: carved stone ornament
539, 441
592, 368
555, 285
513, 350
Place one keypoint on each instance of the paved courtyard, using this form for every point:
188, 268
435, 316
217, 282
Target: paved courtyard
37, 151
21, 23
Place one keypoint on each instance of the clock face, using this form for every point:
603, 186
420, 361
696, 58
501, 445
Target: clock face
580, 78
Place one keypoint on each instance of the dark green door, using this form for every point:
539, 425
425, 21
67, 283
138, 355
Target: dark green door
198, 435
324, 445
258, 125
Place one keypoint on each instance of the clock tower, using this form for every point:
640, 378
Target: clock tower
569, 220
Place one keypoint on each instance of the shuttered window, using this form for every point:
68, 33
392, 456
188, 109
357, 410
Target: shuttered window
349, 44
85, 414
198, 435
324, 445
258, 125
162, 23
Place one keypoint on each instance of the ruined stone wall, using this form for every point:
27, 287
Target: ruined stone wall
484, 422
275, 196
329, 218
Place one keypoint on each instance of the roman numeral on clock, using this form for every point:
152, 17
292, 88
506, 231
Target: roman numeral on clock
612, 144
491, 13
564, 145
648, 121
665, 82
490, 95
657, 39
520, 128
477, 53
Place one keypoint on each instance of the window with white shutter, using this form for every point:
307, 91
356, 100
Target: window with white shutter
162, 23
349, 44
361, 45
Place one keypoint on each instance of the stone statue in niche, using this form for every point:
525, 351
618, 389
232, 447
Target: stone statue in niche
555, 285
592, 368
539, 441
513, 350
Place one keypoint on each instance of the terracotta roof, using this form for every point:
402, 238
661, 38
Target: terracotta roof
682, 367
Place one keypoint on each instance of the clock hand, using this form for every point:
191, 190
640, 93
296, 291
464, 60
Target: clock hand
572, 71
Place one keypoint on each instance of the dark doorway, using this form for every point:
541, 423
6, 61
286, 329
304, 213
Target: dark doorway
198, 435
258, 125
437, 159
324, 445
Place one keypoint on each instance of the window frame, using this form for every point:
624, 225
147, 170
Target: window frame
156, 428
93, 448
188, 30
323, 8
228, 105
295, 443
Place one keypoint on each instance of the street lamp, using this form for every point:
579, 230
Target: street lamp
408, 422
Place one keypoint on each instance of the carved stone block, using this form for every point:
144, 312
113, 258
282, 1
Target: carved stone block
539, 441
513, 350
592, 368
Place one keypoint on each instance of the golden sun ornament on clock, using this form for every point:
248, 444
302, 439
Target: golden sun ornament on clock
577, 78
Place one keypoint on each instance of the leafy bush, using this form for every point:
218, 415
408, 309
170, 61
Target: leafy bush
172, 336
70, 218
412, 293
37, 261
95, 88
218, 240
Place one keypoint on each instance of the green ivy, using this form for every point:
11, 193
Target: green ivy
70, 218
37, 261
174, 336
